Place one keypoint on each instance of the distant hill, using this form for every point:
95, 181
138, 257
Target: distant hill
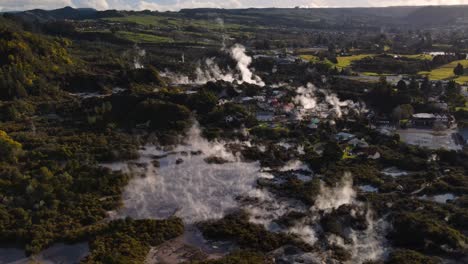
410, 15
437, 15
291, 17
57, 14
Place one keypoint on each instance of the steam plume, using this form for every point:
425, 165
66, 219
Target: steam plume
210, 71
186, 185
243, 63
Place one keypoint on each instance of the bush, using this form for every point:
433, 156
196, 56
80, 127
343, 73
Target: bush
240, 257
9, 148
162, 115
247, 235
410, 257
129, 241
416, 231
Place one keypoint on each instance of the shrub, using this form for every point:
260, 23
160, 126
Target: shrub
9, 148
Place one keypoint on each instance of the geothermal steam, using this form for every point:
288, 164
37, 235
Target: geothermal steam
185, 185
139, 55
321, 101
364, 245
243, 62
332, 198
208, 70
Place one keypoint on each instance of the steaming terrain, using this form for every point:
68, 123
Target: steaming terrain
234, 136
196, 181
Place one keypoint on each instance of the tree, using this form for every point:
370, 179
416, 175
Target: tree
453, 89
412, 89
9, 148
459, 70
404, 111
426, 86
401, 86
332, 153
203, 101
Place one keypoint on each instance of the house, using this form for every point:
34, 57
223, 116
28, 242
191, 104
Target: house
358, 143
265, 116
428, 120
343, 136
423, 120
314, 123
464, 90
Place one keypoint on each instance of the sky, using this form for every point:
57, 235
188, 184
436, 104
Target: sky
174, 5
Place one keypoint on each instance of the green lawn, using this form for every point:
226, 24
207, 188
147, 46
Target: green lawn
343, 62
165, 21
462, 79
310, 58
142, 20
315, 59
445, 72
143, 38
418, 56
346, 61
376, 74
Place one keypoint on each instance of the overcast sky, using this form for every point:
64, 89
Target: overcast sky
163, 5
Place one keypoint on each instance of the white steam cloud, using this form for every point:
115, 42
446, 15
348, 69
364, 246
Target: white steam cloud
210, 71
363, 245
306, 97
323, 103
185, 184
332, 198
139, 55
243, 63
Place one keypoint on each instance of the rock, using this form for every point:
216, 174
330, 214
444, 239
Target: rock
179, 161
215, 160
156, 163
196, 153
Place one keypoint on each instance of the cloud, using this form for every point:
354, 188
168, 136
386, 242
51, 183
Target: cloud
9, 5
97, 4
163, 5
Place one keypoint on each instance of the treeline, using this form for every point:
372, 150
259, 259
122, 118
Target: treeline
29, 62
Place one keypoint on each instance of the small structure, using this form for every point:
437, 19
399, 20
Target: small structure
464, 90
344, 137
314, 123
427, 120
265, 116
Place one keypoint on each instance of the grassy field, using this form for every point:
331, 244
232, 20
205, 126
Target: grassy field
462, 79
445, 72
142, 20
343, 62
143, 38
418, 56
376, 74
315, 59
165, 22
346, 61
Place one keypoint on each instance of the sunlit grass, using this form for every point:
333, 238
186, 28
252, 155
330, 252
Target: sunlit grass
164, 22
142, 20
374, 74
143, 38
346, 61
315, 59
462, 79
418, 56
343, 62
445, 72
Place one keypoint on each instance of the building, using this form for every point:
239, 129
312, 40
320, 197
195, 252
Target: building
427, 120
